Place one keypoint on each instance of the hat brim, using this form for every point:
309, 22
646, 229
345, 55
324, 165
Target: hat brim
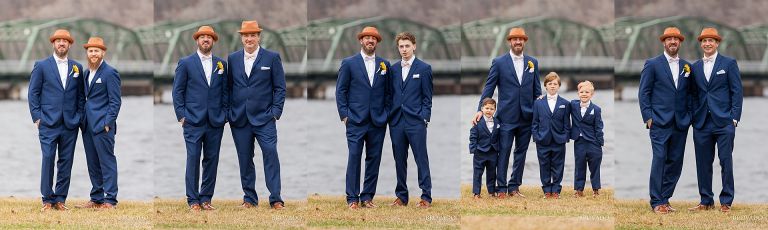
86, 46
363, 34
713, 36
250, 31
201, 33
665, 36
524, 37
68, 38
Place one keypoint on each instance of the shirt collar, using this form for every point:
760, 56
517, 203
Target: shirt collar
588, 103
366, 57
204, 57
554, 97
666, 55
410, 60
97, 67
522, 55
488, 119
713, 57
255, 52
58, 60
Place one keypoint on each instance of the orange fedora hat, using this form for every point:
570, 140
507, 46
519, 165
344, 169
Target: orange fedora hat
369, 31
205, 30
63, 34
517, 32
710, 33
95, 42
672, 32
249, 27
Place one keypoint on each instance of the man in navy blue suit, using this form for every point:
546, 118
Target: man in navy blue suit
256, 97
664, 96
102, 91
517, 77
717, 111
361, 99
56, 100
200, 102
411, 85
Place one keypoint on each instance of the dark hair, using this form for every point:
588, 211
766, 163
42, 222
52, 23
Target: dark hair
405, 36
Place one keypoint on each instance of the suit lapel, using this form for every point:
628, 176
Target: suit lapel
69, 70
485, 125
95, 77
199, 66
259, 55
715, 68
55, 69
665, 66
410, 72
361, 64
512, 66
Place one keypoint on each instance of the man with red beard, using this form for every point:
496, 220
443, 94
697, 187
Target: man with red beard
102, 91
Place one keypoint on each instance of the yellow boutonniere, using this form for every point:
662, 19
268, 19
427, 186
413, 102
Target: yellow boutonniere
686, 68
530, 65
383, 67
219, 65
75, 69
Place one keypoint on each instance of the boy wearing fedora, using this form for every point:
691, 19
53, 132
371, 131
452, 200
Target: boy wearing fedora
256, 88
664, 96
361, 100
56, 99
517, 77
102, 91
718, 98
200, 102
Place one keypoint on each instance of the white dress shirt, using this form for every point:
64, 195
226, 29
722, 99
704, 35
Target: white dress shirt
518, 62
207, 65
674, 66
63, 66
248, 60
370, 65
92, 73
709, 64
552, 101
584, 108
406, 64
489, 123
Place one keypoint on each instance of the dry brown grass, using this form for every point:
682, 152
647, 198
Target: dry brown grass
332, 212
637, 214
25, 214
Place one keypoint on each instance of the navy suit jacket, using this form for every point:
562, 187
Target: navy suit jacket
588, 127
260, 98
482, 140
659, 99
548, 127
356, 98
193, 99
412, 98
49, 101
722, 96
102, 99
515, 98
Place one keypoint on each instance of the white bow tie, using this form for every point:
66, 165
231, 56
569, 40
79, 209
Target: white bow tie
673, 60
708, 59
250, 56
406, 64
369, 58
205, 58
61, 61
551, 97
516, 58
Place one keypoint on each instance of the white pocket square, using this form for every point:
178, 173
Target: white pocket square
415, 76
75, 75
265, 68
221, 71
561, 106
721, 72
98, 81
592, 112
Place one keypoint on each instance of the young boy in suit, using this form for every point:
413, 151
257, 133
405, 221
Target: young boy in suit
484, 144
587, 134
550, 129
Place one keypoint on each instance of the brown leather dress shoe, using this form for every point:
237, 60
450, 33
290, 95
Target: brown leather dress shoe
195, 207
278, 206
554, 195
368, 204
516, 193
547, 195
661, 209
424, 204
725, 208
397, 203
595, 192
207, 206
701, 207
501, 195
60, 206
477, 196
46, 207
107, 206
670, 208
354, 206
247, 205
90, 204
578, 194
